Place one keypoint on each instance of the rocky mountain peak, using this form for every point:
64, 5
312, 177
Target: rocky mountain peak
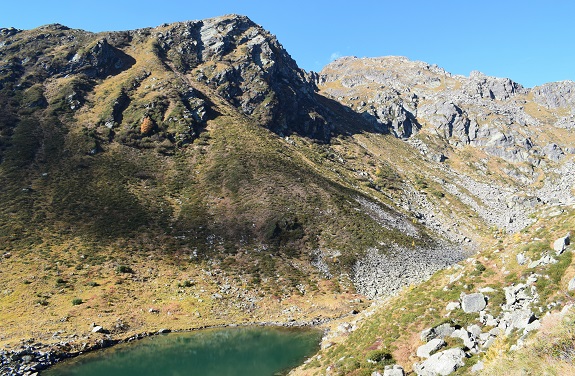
249, 68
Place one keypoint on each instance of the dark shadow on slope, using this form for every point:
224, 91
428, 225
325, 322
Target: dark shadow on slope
345, 121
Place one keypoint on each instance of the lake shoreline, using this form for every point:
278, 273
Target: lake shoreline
33, 357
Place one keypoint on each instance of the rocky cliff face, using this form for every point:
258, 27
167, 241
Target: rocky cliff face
496, 115
249, 68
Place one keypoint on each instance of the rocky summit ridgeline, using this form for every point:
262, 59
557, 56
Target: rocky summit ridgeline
192, 174
244, 63
496, 115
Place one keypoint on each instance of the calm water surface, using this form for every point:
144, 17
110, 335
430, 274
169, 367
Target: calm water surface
253, 351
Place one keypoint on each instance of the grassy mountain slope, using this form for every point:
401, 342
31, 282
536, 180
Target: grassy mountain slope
389, 332
191, 175
130, 184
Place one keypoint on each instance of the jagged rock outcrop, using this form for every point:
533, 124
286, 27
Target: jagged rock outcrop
554, 95
249, 68
487, 112
441, 363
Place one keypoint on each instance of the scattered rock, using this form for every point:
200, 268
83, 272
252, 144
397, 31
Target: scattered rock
473, 302
487, 319
553, 152
519, 296
164, 331
440, 331
544, 260
394, 370
479, 366
571, 286
516, 319
534, 325
474, 329
98, 329
561, 244
381, 273
425, 351
468, 338
441, 363
451, 306
521, 260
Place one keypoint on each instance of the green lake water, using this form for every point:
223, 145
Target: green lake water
253, 351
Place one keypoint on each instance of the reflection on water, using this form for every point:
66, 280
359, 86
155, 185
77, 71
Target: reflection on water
229, 351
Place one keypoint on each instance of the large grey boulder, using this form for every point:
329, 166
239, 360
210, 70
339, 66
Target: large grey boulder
571, 285
469, 340
395, 370
561, 244
473, 302
424, 351
441, 363
439, 331
516, 319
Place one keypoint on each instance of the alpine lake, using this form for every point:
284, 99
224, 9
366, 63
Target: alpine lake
232, 351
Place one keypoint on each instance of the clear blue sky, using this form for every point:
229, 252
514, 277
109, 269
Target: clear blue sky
531, 42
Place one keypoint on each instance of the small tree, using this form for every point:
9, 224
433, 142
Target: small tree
147, 125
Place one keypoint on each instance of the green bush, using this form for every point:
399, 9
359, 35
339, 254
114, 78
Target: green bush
379, 356
479, 268
124, 269
77, 301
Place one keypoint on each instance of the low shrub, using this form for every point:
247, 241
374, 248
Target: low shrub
124, 269
380, 356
